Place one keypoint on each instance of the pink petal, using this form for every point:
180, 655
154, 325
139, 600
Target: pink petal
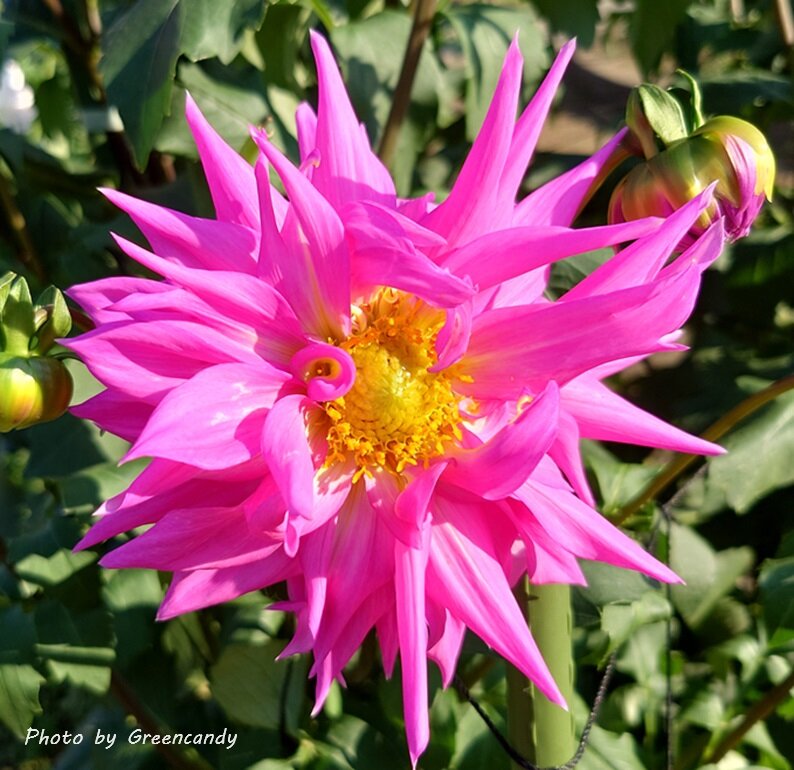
215, 419
558, 202
464, 576
230, 178
500, 465
605, 416
642, 261
328, 371
190, 241
306, 124
409, 586
348, 168
522, 249
316, 281
383, 255
310, 495
115, 413
190, 591
445, 652
584, 532
471, 208
530, 124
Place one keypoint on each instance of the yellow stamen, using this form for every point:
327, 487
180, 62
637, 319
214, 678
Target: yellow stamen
398, 413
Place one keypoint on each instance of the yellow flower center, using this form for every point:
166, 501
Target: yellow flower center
397, 413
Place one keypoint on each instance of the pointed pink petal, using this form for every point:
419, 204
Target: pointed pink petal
309, 495
503, 463
557, 202
98, 298
565, 452
306, 124
383, 255
230, 178
522, 249
512, 349
464, 576
215, 419
471, 208
197, 538
115, 413
642, 261
348, 168
389, 643
606, 416
530, 124
318, 282
582, 531
190, 241
148, 359
409, 587
190, 591
445, 652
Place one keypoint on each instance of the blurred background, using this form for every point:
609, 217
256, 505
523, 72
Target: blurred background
93, 94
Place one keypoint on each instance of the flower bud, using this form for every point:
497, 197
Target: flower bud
684, 155
34, 387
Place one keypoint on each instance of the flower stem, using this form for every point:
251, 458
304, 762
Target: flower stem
540, 730
424, 11
717, 430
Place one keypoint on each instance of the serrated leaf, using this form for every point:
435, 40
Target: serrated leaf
19, 697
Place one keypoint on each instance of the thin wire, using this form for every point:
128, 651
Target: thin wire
513, 753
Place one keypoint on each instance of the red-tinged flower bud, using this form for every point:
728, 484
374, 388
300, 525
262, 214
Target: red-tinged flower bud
727, 150
32, 390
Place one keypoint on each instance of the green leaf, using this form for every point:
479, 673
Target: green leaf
18, 637
485, 32
663, 112
708, 574
247, 681
622, 620
231, 100
576, 18
215, 29
759, 456
19, 697
75, 645
618, 482
132, 596
140, 52
652, 29
776, 582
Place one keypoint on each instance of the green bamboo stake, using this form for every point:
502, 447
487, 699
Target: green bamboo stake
541, 731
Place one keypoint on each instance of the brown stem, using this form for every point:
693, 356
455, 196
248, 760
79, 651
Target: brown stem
125, 695
20, 235
759, 711
423, 20
680, 463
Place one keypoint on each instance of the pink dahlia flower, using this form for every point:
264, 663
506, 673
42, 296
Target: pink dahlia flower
370, 398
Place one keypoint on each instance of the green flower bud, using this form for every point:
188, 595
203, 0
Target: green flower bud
32, 390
